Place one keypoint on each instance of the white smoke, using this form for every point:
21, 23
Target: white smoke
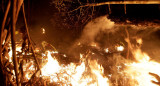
94, 27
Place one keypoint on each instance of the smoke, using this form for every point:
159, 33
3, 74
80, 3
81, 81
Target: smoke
113, 62
94, 27
104, 33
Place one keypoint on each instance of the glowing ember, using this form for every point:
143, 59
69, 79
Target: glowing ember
79, 43
120, 48
43, 31
93, 44
106, 50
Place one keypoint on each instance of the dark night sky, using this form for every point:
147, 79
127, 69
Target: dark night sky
41, 14
42, 11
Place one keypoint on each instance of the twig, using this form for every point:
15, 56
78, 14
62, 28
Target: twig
4, 34
7, 38
5, 16
125, 10
109, 8
13, 27
128, 41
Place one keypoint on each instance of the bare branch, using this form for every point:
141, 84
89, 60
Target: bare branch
13, 27
123, 2
117, 2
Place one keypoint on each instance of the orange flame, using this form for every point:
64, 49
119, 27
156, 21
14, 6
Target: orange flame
139, 71
73, 74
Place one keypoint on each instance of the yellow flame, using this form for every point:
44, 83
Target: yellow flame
76, 75
139, 71
51, 67
98, 71
141, 56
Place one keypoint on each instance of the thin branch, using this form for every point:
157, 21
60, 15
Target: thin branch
128, 41
122, 2
5, 16
125, 10
7, 38
2, 28
13, 27
20, 2
109, 7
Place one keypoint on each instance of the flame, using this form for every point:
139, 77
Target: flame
139, 71
51, 67
85, 73
98, 71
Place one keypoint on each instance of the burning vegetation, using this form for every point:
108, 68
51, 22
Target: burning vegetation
105, 54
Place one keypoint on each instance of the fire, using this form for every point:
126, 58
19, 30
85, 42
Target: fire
51, 67
98, 71
139, 71
85, 73
89, 73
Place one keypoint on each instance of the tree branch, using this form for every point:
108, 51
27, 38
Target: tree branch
117, 2
13, 27
123, 2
